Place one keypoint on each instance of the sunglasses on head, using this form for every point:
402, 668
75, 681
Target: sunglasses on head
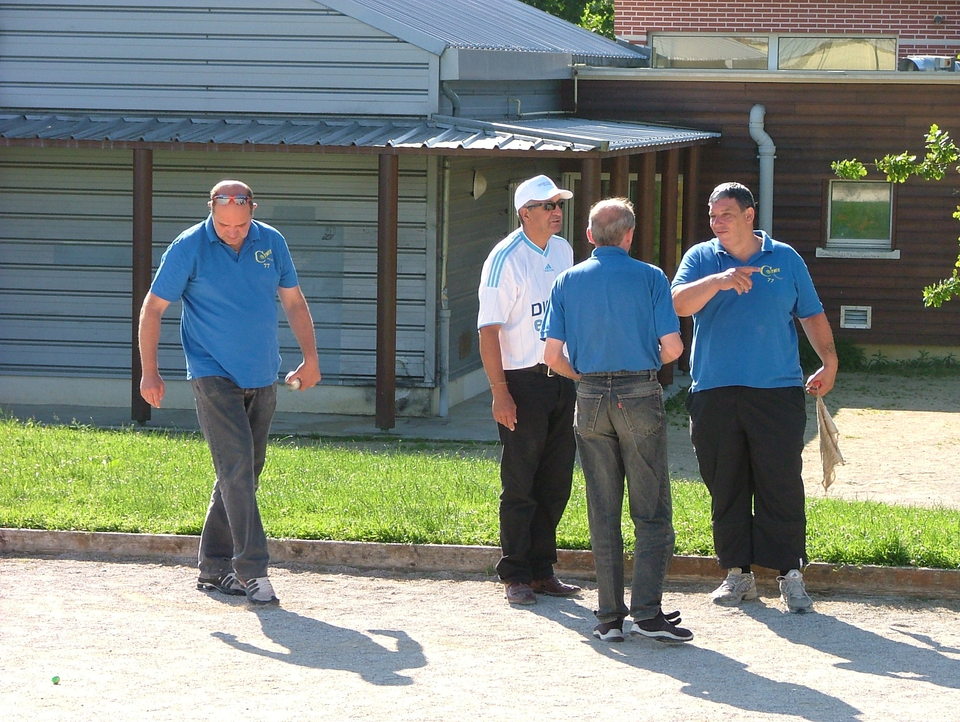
222, 200
547, 205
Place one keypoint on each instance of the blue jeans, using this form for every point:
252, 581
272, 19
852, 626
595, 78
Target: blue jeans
236, 423
621, 434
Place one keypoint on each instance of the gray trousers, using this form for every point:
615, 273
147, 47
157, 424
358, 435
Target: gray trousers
621, 435
236, 423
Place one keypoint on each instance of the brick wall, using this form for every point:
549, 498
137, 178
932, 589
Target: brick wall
911, 20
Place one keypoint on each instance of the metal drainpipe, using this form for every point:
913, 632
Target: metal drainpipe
767, 152
451, 96
443, 356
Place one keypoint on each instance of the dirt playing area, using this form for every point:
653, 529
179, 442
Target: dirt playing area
899, 436
134, 640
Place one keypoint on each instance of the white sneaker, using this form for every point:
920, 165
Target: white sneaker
260, 591
793, 593
735, 588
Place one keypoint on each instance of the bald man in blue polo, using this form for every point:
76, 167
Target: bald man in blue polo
616, 318
228, 272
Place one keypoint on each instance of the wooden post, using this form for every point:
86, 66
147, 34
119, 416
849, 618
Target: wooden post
142, 268
669, 202
646, 207
386, 385
620, 177
693, 206
589, 194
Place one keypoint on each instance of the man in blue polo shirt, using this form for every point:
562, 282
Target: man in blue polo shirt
615, 315
745, 292
228, 271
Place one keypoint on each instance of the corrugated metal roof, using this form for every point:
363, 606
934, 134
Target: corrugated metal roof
440, 132
602, 134
484, 25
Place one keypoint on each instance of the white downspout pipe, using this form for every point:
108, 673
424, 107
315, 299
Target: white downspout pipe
767, 151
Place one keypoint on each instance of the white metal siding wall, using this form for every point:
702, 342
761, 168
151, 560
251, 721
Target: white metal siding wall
500, 99
65, 256
65, 284
295, 56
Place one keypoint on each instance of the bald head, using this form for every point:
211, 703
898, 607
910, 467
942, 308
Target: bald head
610, 222
231, 188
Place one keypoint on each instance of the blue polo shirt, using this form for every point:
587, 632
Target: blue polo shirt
611, 310
228, 325
749, 339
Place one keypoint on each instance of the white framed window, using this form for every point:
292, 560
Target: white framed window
705, 51
860, 215
845, 52
774, 51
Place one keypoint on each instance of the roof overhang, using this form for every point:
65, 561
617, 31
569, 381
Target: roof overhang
437, 135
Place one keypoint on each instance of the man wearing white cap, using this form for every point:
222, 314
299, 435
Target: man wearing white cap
532, 406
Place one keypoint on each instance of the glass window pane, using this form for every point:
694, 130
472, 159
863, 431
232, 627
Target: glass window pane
710, 51
860, 213
837, 53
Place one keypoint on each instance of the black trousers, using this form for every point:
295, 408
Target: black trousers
749, 443
536, 472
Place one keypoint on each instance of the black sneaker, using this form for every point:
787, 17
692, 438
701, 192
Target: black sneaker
609, 631
225, 584
663, 628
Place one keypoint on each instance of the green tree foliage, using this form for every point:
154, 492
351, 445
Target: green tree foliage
941, 154
595, 15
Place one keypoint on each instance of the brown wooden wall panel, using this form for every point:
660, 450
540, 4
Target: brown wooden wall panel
813, 124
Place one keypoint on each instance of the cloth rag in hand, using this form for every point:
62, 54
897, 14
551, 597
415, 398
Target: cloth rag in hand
830, 454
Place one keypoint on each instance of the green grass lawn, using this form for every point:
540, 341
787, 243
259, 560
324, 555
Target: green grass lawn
147, 481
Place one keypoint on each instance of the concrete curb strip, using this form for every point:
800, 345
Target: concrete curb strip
868, 580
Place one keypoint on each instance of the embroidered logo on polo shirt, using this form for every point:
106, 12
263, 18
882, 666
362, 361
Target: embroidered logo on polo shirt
771, 273
548, 268
264, 258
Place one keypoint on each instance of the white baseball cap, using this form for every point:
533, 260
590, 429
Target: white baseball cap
539, 188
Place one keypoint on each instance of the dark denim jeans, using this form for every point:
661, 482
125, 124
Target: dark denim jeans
235, 422
621, 434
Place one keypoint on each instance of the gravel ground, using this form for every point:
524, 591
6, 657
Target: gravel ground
134, 640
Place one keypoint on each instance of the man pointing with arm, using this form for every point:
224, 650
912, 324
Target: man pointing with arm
747, 411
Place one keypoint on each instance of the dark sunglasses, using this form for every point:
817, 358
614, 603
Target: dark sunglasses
222, 200
547, 205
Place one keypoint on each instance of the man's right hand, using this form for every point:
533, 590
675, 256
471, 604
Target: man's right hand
737, 279
504, 407
152, 389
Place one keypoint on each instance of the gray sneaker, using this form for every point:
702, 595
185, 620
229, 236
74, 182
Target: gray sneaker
793, 593
735, 588
260, 591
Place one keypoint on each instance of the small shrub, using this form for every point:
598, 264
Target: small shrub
851, 356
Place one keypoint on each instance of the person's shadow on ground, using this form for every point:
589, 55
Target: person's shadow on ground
312, 643
866, 652
706, 674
